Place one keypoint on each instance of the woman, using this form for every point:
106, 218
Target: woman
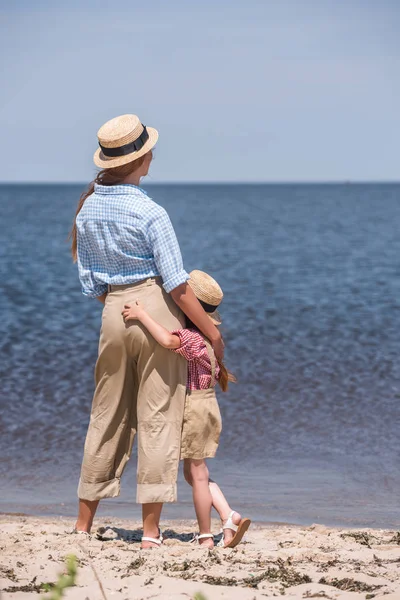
126, 249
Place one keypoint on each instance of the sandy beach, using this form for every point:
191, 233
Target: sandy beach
276, 559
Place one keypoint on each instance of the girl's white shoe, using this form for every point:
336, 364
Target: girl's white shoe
202, 536
239, 530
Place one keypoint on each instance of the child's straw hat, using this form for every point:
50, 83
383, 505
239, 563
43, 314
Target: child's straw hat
123, 140
208, 293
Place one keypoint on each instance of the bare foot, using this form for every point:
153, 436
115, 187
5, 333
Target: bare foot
147, 545
207, 543
229, 533
82, 527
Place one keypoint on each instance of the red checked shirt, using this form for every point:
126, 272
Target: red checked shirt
194, 349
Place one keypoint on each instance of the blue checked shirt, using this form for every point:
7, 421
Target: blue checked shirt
124, 237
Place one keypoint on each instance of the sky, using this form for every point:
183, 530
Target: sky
255, 90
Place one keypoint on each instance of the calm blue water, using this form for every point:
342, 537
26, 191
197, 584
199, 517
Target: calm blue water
311, 275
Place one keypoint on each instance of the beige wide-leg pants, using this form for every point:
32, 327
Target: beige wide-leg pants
140, 388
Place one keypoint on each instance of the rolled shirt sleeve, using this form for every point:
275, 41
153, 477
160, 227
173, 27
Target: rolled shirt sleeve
90, 286
165, 248
191, 344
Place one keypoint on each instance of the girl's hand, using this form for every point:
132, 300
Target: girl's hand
133, 311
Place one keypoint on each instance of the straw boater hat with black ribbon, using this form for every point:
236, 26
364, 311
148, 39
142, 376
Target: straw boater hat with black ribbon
123, 140
208, 293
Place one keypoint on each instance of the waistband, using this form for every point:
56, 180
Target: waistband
135, 284
210, 391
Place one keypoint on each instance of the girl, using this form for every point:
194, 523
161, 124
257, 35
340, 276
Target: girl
202, 418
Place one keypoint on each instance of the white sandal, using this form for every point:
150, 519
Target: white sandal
239, 530
157, 541
202, 536
84, 533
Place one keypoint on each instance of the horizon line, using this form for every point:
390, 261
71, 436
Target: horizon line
226, 182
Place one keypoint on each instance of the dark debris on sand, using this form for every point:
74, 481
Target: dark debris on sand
349, 585
32, 586
196, 570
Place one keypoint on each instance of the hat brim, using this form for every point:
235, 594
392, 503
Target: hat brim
100, 160
215, 317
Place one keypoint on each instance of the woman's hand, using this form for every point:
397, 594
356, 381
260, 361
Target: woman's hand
133, 311
218, 347
184, 297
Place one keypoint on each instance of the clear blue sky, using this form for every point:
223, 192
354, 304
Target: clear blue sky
286, 90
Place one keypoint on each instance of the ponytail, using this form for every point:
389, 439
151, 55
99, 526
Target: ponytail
72, 235
113, 176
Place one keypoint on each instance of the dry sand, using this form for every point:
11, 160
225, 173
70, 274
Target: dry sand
297, 562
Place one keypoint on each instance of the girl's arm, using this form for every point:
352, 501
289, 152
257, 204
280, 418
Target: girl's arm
159, 333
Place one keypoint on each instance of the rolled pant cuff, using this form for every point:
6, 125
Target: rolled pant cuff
98, 491
156, 492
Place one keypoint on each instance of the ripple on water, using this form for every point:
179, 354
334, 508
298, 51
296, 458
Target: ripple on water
311, 321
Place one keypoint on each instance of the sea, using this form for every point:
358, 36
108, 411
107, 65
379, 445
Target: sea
311, 322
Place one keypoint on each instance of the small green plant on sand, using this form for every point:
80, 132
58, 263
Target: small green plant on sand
199, 596
65, 580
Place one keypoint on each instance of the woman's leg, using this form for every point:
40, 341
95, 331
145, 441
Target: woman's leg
161, 377
202, 498
112, 424
151, 513
87, 510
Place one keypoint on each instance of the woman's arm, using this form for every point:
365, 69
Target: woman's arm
159, 333
184, 297
168, 258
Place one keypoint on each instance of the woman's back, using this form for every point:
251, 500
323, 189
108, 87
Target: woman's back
124, 237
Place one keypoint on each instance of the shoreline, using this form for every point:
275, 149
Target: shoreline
107, 513
111, 519
297, 561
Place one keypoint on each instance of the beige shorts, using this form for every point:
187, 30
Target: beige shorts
202, 424
140, 389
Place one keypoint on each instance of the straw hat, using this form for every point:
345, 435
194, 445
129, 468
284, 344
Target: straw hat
208, 293
123, 140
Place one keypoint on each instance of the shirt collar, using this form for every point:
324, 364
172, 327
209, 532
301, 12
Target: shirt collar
117, 190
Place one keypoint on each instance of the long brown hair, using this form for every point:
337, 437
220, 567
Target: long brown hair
112, 176
224, 376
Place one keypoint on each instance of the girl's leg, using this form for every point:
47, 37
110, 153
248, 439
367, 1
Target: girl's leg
202, 498
222, 507
87, 510
219, 501
186, 471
